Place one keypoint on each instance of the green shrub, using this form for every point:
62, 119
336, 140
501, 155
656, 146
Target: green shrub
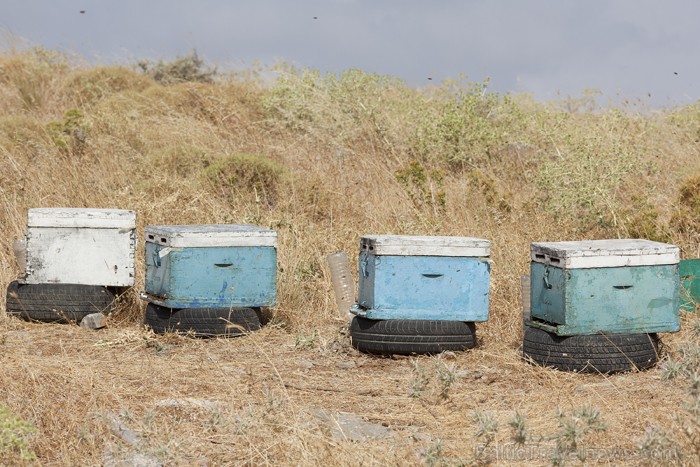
495, 197
642, 220
573, 431
14, 436
241, 173
354, 107
189, 68
85, 87
583, 180
686, 218
182, 160
70, 132
462, 124
425, 189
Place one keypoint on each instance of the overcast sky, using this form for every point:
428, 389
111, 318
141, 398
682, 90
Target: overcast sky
625, 48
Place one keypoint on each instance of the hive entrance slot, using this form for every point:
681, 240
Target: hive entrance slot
543, 321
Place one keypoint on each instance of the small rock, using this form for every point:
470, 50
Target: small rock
306, 364
489, 379
190, 403
94, 321
346, 365
421, 437
137, 459
120, 430
347, 426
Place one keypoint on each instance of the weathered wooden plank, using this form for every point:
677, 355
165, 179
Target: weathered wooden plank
81, 218
604, 253
405, 245
211, 235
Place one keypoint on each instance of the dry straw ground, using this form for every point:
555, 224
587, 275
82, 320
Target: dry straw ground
323, 160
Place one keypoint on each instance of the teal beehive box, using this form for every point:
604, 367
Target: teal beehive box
221, 265
421, 277
604, 286
690, 284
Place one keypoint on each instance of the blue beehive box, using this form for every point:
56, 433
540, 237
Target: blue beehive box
611, 286
430, 278
196, 266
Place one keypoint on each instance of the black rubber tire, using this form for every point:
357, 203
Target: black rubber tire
598, 353
411, 336
57, 302
202, 322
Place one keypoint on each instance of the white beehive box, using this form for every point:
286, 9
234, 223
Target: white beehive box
80, 246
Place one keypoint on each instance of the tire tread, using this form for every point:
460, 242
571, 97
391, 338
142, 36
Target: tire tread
57, 302
407, 337
604, 353
202, 322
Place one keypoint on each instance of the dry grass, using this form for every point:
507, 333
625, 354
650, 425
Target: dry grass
191, 152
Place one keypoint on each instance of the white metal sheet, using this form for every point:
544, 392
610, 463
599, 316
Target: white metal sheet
405, 245
81, 217
210, 235
604, 253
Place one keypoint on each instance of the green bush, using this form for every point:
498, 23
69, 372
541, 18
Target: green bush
182, 160
686, 218
86, 87
189, 68
241, 173
583, 180
70, 132
425, 189
14, 436
463, 124
354, 107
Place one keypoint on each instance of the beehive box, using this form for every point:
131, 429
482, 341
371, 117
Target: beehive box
80, 246
432, 278
690, 284
613, 286
196, 266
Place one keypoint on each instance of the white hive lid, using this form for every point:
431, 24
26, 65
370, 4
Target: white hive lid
210, 235
604, 253
403, 245
81, 218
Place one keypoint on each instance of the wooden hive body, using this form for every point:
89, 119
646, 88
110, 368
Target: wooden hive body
613, 286
196, 266
430, 278
80, 246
